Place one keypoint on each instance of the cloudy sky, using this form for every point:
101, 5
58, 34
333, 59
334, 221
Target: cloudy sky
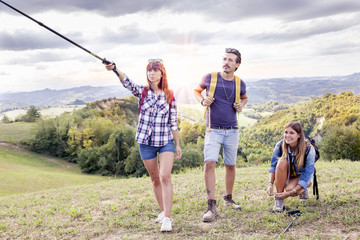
277, 38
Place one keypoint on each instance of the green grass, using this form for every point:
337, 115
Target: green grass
13, 132
23, 172
126, 209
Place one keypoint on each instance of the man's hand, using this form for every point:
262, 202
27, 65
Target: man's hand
237, 107
207, 101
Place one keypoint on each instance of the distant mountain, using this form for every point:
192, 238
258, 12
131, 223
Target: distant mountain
292, 90
282, 90
288, 90
48, 97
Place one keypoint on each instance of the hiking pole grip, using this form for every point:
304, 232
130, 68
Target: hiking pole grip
104, 61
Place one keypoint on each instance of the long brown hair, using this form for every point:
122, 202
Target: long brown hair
163, 84
301, 146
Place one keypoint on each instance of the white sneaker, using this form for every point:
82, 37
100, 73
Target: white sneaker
160, 218
166, 225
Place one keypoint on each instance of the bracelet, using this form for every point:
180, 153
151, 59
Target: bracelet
291, 193
202, 101
270, 184
295, 192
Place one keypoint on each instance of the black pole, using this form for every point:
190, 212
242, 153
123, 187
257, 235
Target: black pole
60, 35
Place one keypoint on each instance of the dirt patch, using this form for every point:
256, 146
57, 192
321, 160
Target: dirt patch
6, 145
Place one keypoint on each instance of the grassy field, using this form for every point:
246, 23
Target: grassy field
126, 209
45, 113
13, 132
23, 172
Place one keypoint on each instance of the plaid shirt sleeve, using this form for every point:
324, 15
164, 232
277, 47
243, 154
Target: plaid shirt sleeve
135, 89
173, 116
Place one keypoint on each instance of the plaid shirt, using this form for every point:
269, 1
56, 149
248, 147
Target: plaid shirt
156, 120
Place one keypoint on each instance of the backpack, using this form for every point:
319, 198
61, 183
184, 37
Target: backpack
144, 93
317, 156
213, 83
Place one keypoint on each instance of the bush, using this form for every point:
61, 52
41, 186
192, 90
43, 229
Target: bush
340, 143
191, 157
49, 139
5, 119
32, 115
133, 164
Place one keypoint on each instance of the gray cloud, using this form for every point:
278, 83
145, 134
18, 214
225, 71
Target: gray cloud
136, 36
230, 10
25, 40
298, 30
36, 58
339, 48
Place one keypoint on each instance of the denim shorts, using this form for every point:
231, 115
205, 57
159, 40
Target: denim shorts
229, 138
148, 152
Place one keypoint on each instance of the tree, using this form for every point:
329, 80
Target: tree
341, 142
5, 119
133, 164
32, 115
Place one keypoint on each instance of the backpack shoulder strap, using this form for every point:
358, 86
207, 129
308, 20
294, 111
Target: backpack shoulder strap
281, 150
143, 95
238, 89
213, 82
170, 104
172, 98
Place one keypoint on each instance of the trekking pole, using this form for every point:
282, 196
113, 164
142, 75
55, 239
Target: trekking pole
297, 213
285, 229
60, 35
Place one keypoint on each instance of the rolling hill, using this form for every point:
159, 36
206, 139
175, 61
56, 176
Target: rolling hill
283, 90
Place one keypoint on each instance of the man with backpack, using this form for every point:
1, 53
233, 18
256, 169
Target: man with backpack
225, 97
292, 166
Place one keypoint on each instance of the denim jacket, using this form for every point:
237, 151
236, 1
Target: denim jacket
307, 171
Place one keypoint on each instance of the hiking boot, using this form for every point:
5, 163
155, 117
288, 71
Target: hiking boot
160, 218
279, 205
228, 201
304, 196
166, 225
211, 212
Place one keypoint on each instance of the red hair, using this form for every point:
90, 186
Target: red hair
163, 84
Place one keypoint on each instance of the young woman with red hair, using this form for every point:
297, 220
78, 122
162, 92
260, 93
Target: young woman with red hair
156, 132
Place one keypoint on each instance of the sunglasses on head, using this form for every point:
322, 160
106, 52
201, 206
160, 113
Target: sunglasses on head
157, 60
232, 50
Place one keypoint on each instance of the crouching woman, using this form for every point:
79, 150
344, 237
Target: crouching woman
292, 166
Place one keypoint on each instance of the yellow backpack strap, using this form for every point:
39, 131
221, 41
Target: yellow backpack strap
211, 92
238, 89
213, 83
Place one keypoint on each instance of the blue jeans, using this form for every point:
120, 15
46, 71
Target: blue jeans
229, 138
